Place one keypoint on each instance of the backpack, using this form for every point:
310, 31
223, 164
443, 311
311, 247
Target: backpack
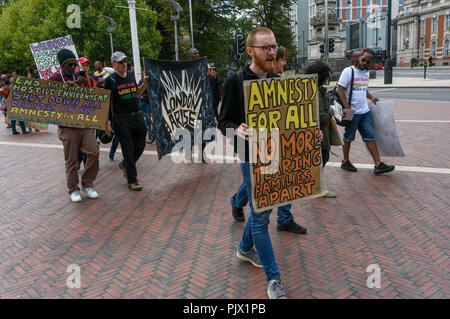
334, 97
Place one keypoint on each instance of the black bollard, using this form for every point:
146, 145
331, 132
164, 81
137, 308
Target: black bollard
425, 70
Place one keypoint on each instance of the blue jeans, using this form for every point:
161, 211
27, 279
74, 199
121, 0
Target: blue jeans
240, 199
364, 124
145, 107
256, 232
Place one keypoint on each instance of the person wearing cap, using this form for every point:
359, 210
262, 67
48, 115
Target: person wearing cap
74, 139
125, 116
85, 64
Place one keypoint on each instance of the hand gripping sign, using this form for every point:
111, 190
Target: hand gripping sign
50, 102
285, 154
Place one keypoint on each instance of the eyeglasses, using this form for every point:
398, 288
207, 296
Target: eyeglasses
123, 61
266, 48
366, 60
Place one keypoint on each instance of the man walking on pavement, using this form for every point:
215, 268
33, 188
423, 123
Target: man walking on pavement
262, 47
285, 219
77, 139
362, 119
126, 118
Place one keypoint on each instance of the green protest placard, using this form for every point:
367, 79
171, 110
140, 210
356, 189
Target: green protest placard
285, 155
49, 102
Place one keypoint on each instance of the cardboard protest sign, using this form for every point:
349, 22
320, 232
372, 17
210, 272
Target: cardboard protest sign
50, 102
285, 155
385, 130
44, 54
180, 95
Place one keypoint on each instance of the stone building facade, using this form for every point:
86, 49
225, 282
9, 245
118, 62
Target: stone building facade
423, 31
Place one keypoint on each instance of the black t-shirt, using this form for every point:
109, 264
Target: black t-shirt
123, 93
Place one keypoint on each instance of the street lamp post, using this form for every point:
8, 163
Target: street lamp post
326, 31
175, 18
388, 62
190, 19
111, 25
134, 37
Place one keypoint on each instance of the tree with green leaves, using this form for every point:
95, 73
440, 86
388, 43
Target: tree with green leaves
274, 14
28, 21
216, 23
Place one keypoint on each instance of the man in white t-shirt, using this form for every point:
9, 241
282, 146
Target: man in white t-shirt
362, 120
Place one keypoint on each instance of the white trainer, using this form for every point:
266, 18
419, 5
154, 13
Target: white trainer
76, 197
91, 193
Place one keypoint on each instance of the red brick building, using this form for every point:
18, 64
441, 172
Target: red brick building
423, 31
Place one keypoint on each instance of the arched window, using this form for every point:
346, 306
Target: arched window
447, 48
433, 49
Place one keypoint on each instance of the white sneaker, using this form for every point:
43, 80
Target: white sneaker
75, 197
91, 193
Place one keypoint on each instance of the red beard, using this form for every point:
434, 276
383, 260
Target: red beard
265, 65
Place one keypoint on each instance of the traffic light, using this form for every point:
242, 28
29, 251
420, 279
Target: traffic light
240, 47
322, 48
330, 44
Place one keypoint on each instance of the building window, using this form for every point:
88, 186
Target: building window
422, 50
358, 13
422, 31
433, 49
434, 25
447, 48
447, 21
407, 28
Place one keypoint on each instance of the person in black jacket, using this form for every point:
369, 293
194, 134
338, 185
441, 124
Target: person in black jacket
262, 47
285, 219
125, 116
216, 88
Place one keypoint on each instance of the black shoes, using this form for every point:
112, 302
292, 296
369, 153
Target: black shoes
292, 226
348, 166
383, 168
238, 214
124, 170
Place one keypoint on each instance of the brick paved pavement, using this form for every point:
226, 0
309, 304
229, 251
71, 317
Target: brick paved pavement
176, 238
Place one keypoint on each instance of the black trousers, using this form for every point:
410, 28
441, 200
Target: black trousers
325, 156
130, 130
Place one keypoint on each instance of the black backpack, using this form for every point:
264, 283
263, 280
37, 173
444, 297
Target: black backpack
334, 96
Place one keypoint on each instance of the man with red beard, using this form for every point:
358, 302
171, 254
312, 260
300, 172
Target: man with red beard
262, 47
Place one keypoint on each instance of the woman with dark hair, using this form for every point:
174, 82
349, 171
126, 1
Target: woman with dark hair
326, 113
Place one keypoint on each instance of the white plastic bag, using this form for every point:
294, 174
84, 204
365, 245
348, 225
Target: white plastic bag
385, 130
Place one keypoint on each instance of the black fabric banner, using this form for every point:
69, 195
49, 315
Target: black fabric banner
180, 95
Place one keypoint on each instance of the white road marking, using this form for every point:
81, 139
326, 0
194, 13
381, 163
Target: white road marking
231, 159
423, 121
381, 90
416, 169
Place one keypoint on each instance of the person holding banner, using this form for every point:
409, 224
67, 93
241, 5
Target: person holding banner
126, 118
326, 113
85, 63
362, 120
262, 47
74, 139
285, 219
